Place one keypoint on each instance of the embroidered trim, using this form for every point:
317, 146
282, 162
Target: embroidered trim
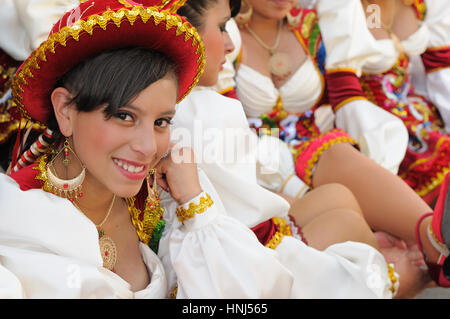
318, 152
283, 230
74, 31
14, 125
354, 98
436, 242
393, 277
148, 223
435, 181
322, 78
185, 214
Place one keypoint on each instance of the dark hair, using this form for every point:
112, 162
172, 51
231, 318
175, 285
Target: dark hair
194, 10
113, 78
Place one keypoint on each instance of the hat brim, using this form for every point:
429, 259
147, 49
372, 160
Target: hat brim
139, 26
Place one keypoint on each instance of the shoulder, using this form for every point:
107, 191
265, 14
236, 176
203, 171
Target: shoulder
206, 103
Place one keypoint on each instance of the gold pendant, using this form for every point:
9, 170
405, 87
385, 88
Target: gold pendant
108, 250
280, 65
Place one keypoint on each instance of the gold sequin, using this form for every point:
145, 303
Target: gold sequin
185, 214
283, 230
392, 278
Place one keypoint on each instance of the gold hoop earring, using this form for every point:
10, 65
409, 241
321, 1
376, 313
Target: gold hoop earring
67, 188
293, 20
244, 17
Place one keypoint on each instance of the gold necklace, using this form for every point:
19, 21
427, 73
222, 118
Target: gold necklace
108, 248
279, 63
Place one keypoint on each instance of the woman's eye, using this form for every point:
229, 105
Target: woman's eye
124, 116
163, 122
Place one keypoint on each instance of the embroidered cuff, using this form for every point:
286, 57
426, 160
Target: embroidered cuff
197, 205
394, 278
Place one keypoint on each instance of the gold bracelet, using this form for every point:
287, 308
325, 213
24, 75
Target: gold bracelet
185, 214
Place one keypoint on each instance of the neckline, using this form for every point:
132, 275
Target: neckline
308, 60
147, 222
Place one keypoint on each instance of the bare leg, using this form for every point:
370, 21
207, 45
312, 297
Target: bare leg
332, 210
330, 214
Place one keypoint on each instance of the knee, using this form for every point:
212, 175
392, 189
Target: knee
340, 153
343, 196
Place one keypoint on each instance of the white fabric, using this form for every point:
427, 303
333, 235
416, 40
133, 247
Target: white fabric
214, 256
381, 136
28, 23
345, 270
49, 249
438, 91
414, 45
438, 20
275, 168
259, 95
347, 40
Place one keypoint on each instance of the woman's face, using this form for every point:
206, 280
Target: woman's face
118, 152
271, 9
216, 40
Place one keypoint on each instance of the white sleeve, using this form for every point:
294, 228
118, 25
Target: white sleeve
438, 82
437, 20
10, 286
216, 256
344, 270
350, 45
275, 168
381, 136
37, 17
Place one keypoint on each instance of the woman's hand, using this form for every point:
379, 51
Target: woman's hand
177, 173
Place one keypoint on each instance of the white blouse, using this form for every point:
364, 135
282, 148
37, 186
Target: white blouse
49, 249
259, 95
293, 269
376, 56
382, 136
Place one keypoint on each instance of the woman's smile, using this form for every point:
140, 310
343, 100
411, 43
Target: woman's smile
131, 170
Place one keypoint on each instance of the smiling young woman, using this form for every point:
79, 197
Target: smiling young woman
79, 192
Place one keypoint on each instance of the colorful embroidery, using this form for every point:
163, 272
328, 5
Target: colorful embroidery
428, 154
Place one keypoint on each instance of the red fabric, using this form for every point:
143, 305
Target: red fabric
26, 178
36, 95
341, 86
299, 229
231, 94
265, 231
435, 59
439, 208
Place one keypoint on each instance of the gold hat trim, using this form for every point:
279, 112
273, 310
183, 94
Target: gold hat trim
117, 17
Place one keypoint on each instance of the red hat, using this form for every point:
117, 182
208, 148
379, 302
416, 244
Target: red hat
98, 25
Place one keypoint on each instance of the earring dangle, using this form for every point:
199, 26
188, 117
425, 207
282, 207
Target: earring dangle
153, 195
67, 188
293, 20
243, 18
